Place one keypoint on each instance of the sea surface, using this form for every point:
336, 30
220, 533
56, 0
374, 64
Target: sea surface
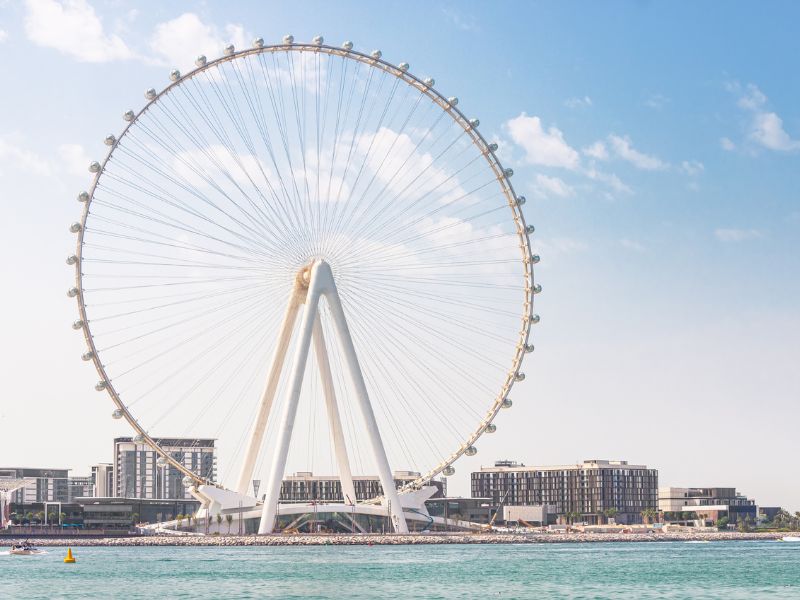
730, 570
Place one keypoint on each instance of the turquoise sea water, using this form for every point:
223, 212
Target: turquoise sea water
730, 570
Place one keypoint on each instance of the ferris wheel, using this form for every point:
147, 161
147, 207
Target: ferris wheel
312, 255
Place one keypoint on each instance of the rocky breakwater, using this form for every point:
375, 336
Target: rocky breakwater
395, 539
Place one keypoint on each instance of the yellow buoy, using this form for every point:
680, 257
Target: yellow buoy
69, 558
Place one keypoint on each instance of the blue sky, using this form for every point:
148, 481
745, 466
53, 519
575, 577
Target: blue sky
658, 145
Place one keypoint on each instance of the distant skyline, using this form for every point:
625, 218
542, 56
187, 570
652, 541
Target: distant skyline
658, 146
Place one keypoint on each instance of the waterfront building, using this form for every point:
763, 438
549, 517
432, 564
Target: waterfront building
79, 487
122, 513
103, 480
475, 510
304, 487
137, 473
41, 485
706, 504
589, 492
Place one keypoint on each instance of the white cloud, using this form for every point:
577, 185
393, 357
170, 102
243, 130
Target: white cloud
752, 99
464, 22
737, 235
597, 150
553, 186
578, 102
692, 167
727, 144
72, 27
3, 35
631, 245
766, 127
656, 101
767, 130
13, 155
177, 43
610, 179
547, 148
74, 159
623, 148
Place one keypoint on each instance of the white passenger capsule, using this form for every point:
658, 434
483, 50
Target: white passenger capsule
72, 292
376, 54
529, 348
429, 82
508, 172
229, 50
258, 42
403, 66
474, 122
100, 385
493, 147
87, 356
117, 414
174, 75
94, 167
452, 101
76, 325
491, 428
519, 377
201, 60
471, 451
288, 40
129, 115
537, 289
521, 200
348, 45
507, 403
188, 481
530, 229
110, 140
72, 259
75, 227
535, 258
83, 197
448, 471
318, 40
535, 319
150, 94
162, 462
138, 439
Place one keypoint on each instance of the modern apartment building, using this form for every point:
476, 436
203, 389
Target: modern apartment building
137, 473
708, 504
585, 491
103, 480
307, 487
41, 485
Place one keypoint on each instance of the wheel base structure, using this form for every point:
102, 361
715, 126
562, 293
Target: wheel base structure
311, 284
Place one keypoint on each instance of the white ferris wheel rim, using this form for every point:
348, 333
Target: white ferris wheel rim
425, 87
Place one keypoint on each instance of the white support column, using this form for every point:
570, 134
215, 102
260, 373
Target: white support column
357, 379
334, 420
275, 477
268, 396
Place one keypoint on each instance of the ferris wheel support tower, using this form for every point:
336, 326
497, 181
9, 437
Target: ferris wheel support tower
311, 284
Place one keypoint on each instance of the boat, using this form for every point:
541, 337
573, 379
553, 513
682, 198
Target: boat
790, 538
25, 549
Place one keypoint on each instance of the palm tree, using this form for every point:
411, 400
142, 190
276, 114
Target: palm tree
62, 517
611, 512
179, 519
219, 522
229, 521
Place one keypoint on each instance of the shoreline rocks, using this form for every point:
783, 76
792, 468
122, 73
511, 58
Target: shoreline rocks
400, 539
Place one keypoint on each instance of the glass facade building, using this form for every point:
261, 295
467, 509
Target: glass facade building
137, 473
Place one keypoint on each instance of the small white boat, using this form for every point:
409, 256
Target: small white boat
25, 550
790, 538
